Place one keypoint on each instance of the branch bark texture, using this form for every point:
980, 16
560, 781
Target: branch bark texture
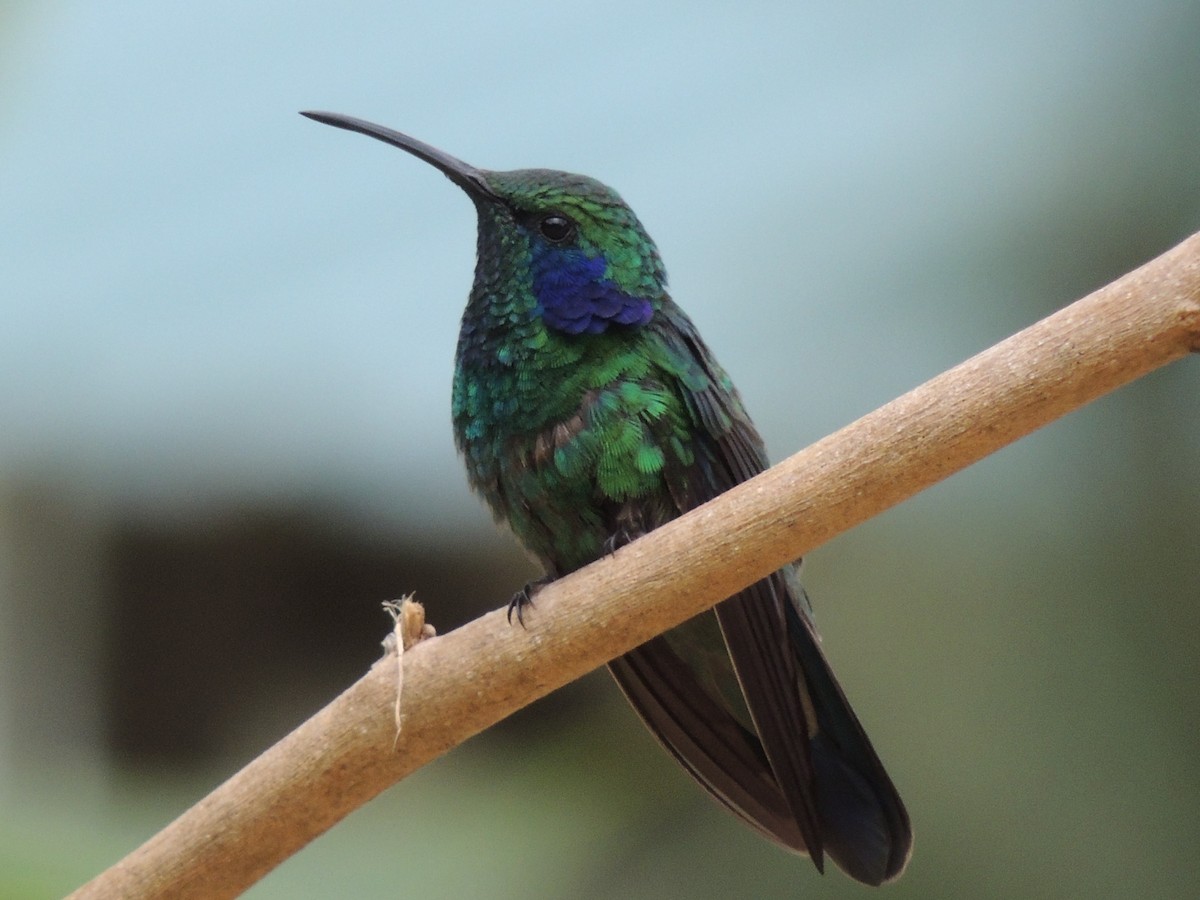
458, 684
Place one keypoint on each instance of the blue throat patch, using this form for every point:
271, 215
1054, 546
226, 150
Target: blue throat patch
574, 297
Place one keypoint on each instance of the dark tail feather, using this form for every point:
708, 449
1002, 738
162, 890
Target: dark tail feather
709, 743
852, 811
864, 824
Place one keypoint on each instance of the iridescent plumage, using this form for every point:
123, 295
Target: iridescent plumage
589, 411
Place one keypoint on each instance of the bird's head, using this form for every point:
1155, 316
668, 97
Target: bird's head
567, 242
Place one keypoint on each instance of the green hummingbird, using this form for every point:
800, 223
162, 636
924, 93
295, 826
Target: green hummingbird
589, 411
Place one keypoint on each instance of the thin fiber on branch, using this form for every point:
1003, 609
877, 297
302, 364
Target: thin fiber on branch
459, 684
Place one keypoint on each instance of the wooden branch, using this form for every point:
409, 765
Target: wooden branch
458, 684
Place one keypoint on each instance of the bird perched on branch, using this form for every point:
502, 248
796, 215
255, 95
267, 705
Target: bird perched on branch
589, 412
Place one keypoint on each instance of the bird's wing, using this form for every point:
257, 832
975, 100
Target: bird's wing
806, 775
750, 751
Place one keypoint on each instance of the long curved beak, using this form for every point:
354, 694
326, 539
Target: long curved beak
469, 178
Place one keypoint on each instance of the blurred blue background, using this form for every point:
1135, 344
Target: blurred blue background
226, 337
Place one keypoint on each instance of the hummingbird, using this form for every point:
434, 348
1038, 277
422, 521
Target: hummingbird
589, 411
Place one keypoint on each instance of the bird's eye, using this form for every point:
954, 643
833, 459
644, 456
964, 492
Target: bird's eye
556, 228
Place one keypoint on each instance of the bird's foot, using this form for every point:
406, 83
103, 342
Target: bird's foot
620, 538
524, 597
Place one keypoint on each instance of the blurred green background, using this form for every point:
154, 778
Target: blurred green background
225, 347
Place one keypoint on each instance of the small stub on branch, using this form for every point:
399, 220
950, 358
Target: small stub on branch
408, 628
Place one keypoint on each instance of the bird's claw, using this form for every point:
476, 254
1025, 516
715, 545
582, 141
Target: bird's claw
619, 539
523, 598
